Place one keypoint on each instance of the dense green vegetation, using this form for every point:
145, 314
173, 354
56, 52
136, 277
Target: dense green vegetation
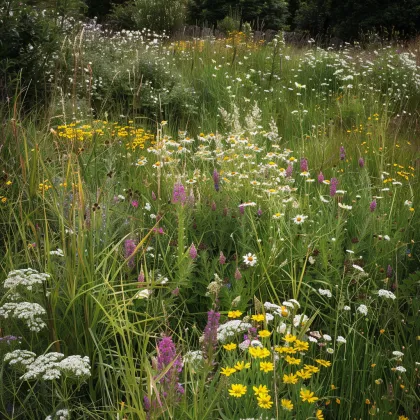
205, 228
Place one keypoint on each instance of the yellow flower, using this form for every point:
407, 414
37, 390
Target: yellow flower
301, 345
258, 352
284, 312
290, 379
307, 395
242, 365
367, 401
286, 404
304, 374
266, 367
234, 314
237, 390
264, 401
264, 333
381, 331
230, 346
319, 415
403, 418
261, 390
337, 400
288, 350
258, 318
292, 360
289, 338
333, 387
312, 369
324, 363
227, 371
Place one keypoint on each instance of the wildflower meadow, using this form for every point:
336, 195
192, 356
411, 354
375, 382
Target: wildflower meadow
211, 228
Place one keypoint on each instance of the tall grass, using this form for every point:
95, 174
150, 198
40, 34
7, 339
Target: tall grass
128, 275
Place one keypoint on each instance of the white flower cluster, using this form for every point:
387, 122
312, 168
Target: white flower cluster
230, 328
193, 358
49, 366
26, 277
386, 294
20, 357
62, 414
325, 292
29, 312
59, 252
362, 309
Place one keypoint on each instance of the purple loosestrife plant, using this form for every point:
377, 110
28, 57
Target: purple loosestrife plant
372, 206
129, 248
304, 165
193, 252
222, 258
321, 178
333, 186
178, 194
216, 180
361, 162
342, 153
210, 334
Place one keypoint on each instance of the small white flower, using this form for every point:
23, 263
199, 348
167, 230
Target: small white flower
401, 369
386, 294
345, 206
281, 329
58, 252
326, 337
357, 267
256, 343
250, 259
347, 308
325, 292
143, 294
362, 309
299, 219
341, 339
330, 350
397, 353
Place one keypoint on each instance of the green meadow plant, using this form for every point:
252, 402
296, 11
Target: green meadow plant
233, 235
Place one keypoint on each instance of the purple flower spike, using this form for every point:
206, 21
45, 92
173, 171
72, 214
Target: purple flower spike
238, 274
210, 331
129, 247
193, 252
222, 258
321, 178
304, 165
216, 180
361, 162
342, 153
372, 206
389, 271
179, 195
289, 171
333, 186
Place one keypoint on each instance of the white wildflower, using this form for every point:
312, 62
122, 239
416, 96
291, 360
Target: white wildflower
250, 259
386, 294
341, 339
325, 292
27, 311
362, 309
26, 277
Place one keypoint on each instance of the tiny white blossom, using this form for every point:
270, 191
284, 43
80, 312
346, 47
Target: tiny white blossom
386, 294
401, 369
250, 259
325, 292
341, 339
362, 309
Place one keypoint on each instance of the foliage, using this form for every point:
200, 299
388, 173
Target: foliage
230, 202
157, 15
270, 14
